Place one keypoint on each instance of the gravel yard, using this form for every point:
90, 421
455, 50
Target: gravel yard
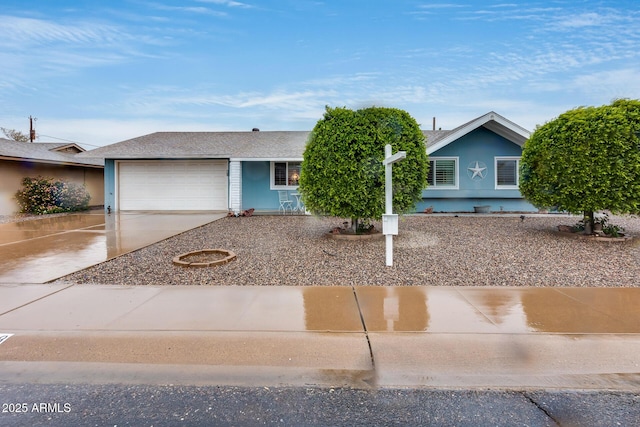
429, 250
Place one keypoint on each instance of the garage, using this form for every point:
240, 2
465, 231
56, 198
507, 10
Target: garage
173, 185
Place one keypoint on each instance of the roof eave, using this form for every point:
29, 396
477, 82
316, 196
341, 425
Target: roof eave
266, 159
51, 162
492, 121
166, 157
67, 146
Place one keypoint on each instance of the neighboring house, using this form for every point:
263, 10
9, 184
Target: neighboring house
474, 164
49, 160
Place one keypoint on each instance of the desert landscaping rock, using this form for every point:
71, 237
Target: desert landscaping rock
429, 250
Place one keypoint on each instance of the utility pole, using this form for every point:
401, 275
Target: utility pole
32, 131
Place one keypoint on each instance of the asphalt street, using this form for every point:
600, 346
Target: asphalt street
120, 405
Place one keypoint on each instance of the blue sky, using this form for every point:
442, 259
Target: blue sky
99, 72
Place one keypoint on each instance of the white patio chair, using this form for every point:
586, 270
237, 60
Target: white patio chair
285, 202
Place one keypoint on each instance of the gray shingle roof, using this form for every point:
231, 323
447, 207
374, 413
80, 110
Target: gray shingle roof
267, 145
45, 152
434, 136
237, 145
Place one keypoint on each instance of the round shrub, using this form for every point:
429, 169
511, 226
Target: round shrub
45, 196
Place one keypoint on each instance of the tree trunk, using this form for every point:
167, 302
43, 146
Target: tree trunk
354, 225
588, 220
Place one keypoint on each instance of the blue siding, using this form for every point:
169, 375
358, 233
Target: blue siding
483, 146
256, 192
109, 184
466, 205
256, 187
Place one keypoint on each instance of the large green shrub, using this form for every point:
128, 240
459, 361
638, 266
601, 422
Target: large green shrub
587, 159
45, 196
342, 173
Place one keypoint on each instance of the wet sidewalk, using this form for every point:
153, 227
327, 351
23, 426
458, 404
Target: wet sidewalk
579, 338
42, 250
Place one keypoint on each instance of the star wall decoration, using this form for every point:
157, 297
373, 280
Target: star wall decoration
479, 170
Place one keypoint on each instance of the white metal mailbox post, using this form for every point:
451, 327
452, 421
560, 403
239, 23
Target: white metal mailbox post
389, 219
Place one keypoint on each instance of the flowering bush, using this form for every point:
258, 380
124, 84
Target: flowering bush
44, 196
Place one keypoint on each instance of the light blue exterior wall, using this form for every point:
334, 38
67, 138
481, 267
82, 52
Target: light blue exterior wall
467, 205
109, 184
256, 187
479, 145
483, 146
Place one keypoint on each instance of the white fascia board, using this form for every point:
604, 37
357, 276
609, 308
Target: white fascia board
508, 125
266, 159
72, 145
170, 157
511, 126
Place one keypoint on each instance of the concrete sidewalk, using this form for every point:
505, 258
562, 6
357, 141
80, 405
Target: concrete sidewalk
518, 338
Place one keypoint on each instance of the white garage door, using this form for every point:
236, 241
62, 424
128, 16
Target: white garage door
172, 185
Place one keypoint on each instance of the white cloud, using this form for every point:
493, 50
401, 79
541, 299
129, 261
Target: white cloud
33, 51
433, 8
342, 80
441, 6
229, 3
296, 99
590, 19
20, 33
199, 10
619, 83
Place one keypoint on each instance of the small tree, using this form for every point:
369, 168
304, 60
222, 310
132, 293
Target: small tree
586, 160
342, 173
15, 135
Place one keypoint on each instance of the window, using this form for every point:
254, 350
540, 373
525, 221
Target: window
507, 172
443, 173
285, 174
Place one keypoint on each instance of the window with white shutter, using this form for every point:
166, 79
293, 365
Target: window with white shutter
507, 175
443, 173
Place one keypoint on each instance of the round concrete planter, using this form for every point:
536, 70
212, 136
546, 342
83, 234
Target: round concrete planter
204, 258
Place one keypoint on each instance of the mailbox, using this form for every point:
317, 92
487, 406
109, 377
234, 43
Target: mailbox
390, 224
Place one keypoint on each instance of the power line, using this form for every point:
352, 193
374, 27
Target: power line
68, 140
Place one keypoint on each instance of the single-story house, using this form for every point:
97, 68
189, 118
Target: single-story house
19, 160
475, 164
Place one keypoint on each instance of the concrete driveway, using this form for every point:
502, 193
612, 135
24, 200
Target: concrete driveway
45, 249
